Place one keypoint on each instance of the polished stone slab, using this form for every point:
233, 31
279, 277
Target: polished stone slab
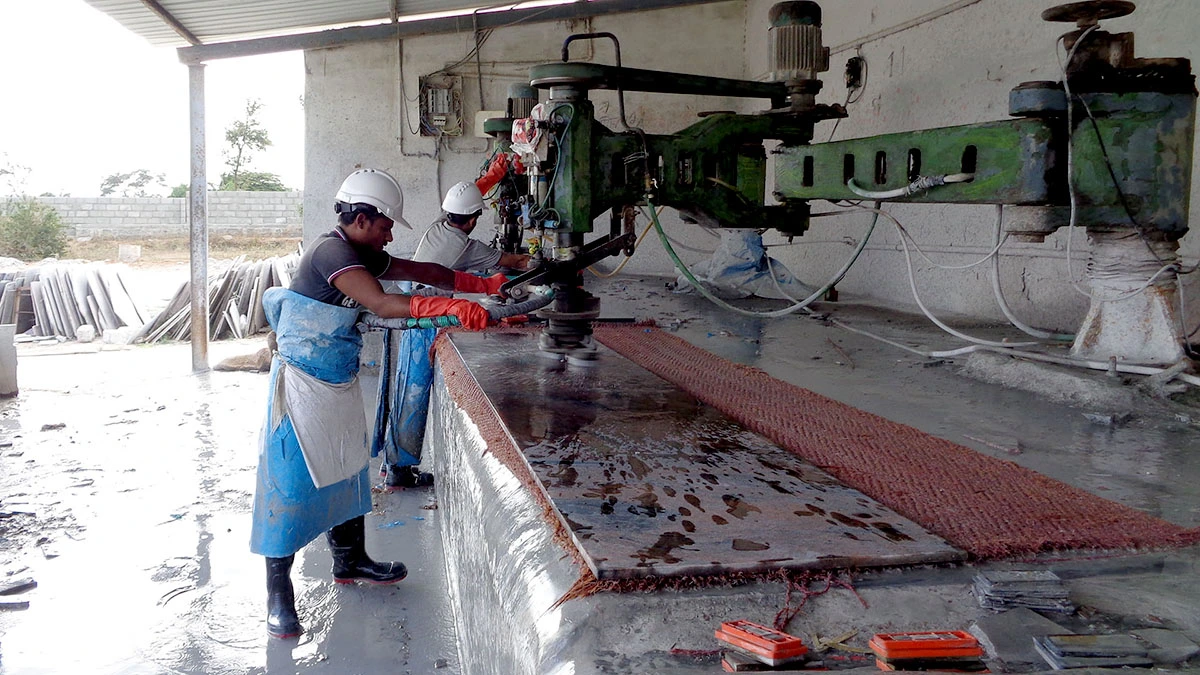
650, 481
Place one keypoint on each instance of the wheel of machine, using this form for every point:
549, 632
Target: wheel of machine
1089, 12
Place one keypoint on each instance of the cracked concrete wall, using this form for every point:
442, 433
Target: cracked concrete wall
955, 67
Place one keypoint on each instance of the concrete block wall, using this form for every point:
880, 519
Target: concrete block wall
931, 63
274, 214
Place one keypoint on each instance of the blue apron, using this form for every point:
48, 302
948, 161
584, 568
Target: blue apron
289, 511
404, 397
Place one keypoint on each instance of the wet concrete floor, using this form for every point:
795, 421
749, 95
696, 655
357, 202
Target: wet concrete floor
133, 517
125, 494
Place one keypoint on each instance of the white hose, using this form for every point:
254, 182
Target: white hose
798, 304
912, 283
1022, 354
1008, 313
1095, 365
921, 184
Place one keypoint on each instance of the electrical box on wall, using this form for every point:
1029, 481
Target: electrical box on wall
440, 104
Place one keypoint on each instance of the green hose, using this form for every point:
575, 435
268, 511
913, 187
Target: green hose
819, 293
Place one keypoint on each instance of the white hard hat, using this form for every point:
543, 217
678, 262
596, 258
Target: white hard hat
377, 188
463, 199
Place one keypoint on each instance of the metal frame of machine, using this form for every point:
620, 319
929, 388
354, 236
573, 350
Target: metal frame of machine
1116, 160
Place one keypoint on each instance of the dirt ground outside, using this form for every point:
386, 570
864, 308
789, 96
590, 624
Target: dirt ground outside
174, 250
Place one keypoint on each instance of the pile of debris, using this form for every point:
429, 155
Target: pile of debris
1092, 651
60, 299
234, 301
1039, 590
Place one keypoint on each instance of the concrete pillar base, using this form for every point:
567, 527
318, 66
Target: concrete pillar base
1123, 322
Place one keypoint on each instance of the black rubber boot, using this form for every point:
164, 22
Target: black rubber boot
396, 477
282, 621
347, 544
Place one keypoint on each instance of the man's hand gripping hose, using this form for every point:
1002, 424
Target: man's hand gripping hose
440, 312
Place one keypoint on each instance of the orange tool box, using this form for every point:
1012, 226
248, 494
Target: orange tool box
980, 668
925, 645
768, 645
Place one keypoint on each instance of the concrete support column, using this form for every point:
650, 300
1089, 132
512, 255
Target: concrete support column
1133, 316
198, 220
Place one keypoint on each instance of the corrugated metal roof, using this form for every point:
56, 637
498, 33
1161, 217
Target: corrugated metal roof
215, 21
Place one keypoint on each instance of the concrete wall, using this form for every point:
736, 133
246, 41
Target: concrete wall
954, 67
265, 214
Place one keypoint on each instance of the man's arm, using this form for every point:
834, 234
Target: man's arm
360, 285
365, 289
430, 274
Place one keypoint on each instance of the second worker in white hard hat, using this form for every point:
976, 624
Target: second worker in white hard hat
448, 241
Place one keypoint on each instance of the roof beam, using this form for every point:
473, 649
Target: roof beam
171, 21
200, 53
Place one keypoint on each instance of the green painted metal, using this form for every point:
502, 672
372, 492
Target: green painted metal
1149, 138
713, 171
497, 125
571, 185
1014, 163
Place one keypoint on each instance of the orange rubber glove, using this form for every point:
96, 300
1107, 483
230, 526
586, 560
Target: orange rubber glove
469, 283
495, 172
471, 315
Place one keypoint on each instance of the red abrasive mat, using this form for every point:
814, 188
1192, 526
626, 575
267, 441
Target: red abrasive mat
989, 507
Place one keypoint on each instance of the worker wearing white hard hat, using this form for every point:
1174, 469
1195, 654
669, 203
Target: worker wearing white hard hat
448, 240
312, 472
400, 422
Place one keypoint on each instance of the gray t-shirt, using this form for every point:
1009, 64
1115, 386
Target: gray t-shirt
329, 256
450, 247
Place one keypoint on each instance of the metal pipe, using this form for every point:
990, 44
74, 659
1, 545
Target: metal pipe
336, 37
198, 221
169, 19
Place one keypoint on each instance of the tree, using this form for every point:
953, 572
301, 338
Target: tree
30, 230
132, 184
180, 190
260, 181
246, 136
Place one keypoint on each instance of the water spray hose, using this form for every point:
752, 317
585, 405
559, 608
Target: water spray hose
819, 293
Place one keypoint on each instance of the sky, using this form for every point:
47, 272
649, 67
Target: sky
82, 98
